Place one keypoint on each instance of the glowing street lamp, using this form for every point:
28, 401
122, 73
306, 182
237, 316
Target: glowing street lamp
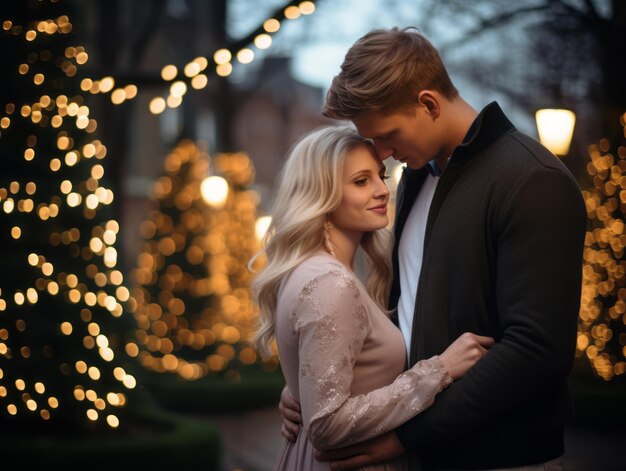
214, 191
556, 127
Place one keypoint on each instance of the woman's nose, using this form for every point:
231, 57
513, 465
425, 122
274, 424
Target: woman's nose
381, 190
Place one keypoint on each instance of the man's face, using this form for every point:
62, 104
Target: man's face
409, 136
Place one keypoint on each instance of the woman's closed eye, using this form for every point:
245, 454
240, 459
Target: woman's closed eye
363, 181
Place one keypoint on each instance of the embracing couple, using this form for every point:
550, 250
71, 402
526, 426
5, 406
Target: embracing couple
454, 352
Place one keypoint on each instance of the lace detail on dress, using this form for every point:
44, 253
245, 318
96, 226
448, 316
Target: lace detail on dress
331, 324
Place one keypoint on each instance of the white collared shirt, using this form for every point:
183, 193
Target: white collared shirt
410, 255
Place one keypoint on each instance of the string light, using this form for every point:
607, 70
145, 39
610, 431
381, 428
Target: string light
602, 321
222, 57
245, 56
53, 288
263, 41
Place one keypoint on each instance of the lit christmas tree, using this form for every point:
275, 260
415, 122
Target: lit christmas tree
194, 309
602, 325
62, 324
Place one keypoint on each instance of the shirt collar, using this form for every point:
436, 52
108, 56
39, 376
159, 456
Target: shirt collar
490, 124
433, 168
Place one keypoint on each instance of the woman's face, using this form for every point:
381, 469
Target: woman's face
363, 206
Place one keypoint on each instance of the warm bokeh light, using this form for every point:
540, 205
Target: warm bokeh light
271, 26
261, 226
178, 89
222, 56
602, 320
292, 12
214, 190
52, 195
192, 69
199, 81
202, 302
307, 8
245, 56
157, 105
224, 70
169, 72
263, 41
106, 84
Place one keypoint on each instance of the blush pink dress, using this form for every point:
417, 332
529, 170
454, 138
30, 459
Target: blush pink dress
343, 360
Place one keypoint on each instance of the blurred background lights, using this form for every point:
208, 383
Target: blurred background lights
307, 8
62, 292
178, 89
192, 69
199, 81
271, 26
261, 226
292, 12
107, 84
214, 191
263, 41
157, 105
245, 56
223, 70
221, 56
169, 72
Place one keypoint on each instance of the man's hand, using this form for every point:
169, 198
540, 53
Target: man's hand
290, 413
377, 449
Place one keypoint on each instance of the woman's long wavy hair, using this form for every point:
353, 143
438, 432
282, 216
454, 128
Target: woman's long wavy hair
309, 189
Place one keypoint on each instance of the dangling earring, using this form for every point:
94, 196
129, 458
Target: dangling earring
327, 244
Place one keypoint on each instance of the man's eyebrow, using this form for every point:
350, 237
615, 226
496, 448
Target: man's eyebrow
385, 135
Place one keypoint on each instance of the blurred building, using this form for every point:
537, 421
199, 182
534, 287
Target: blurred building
276, 110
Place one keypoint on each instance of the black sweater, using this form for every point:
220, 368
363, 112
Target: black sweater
503, 258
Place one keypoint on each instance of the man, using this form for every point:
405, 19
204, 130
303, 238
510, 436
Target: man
489, 235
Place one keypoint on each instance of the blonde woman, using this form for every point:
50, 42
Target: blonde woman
342, 356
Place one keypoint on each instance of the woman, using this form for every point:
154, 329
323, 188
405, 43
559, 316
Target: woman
342, 357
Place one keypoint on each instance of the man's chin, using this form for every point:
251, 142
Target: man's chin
413, 165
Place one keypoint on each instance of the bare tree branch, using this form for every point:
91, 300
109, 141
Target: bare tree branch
495, 21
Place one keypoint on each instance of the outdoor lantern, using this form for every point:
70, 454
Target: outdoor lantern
214, 191
555, 129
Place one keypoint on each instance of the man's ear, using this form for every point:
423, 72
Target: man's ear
430, 100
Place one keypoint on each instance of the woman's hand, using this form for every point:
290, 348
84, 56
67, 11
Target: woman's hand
464, 352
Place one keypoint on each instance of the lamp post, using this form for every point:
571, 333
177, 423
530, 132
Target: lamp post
556, 127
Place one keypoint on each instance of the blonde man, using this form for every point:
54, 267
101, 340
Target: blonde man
489, 236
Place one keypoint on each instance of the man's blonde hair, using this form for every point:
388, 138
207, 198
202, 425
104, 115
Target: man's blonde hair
384, 71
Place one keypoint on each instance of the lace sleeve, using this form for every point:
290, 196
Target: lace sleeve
331, 324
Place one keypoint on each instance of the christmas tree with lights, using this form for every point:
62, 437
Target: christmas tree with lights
65, 363
194, 309
602, 323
